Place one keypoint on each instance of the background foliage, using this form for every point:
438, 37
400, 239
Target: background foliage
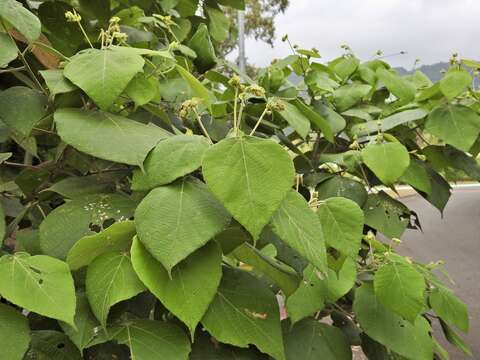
157, 208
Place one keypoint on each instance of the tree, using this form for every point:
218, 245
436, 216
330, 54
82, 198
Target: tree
153, 207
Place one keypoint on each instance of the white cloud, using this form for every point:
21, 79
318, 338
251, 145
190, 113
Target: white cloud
427, 29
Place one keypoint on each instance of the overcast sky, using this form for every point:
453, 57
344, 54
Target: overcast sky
427, 29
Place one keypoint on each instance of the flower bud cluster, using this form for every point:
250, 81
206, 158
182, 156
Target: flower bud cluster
73, 16
188, 105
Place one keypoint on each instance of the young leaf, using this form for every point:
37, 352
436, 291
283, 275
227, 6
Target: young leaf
245, 312
295, 118
193, 283
70, 222
398, 86
203, 47
339, 186
56, 82
14, 333
285, 278
386, 214
454, 339
21, 19
317, 289
342, 224
170, 159
312, 340
455, 82
299, 227
198, 89
107, 136
103, 74
116, 237
388, 161
457, 125
400, 288
219, 24
149, 339
110, 279
349, 95
309, 297
46, 285
85, 329
449, 307
251, 177
142, 89
389, 329
173, 221
417, 176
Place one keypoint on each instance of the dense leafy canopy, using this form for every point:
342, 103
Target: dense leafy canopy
155, 203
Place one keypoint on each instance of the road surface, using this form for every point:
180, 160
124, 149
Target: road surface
456, 240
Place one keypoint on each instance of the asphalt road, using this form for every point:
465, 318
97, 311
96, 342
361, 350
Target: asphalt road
454, 239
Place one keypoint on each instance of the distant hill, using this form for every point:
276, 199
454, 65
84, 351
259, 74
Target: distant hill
434, 71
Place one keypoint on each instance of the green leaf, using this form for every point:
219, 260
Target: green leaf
142, 89
51, 345
171, 159
389, 329
449, 307
116, 237
336, 122
9, 50
20, 18
251, 177
315, 118
349, 95
56, 82
107, 136
389, 122
77, 187
417, 176
85, 329
173, 221
339, 186
198, 89
339, 283
344, 66
110, 279
455, 82
387, 215
202, 45
457, 125
299, 227
285, 278
400, 87
46, 285
21, 108
192, 285
218, 24
295, 118
150, 339
309, 297
3, 225
388, 161
14, 333
96, 9
454, 339
400, 288
103, 74
70, 222
245, 312
342, 224
312, 340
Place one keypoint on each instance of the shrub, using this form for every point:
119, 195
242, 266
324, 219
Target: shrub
159, 206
